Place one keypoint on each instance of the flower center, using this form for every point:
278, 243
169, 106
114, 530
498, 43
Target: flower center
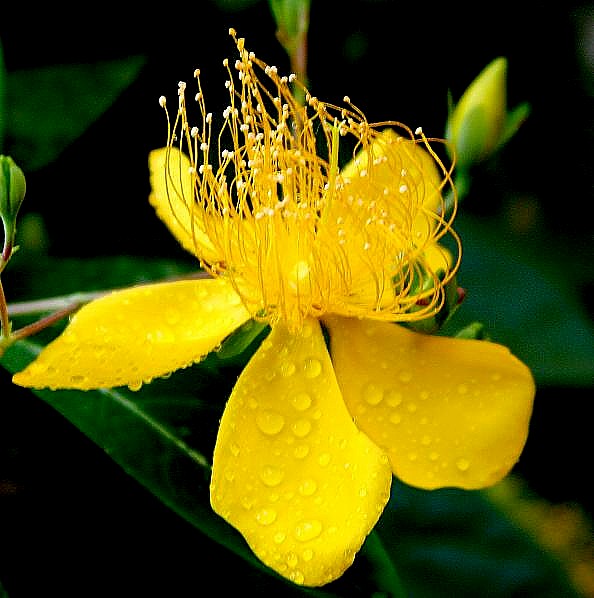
294, 234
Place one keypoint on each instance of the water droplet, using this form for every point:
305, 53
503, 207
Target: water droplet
362, 492
234, 448
266, 516
307, 554
301, 428
229, 475
424, 395
373, 394
312, 367
405, 376
271, 476
462, 464
287, 369
133, 386
412, 456
301, 451
433, 456
395, 418
324, 459
308, 530
496, 377
394, 398
292, 560
269, 422
412, 407
307, 487
462, 389
426, 440
247, 502
301, 401
297, 577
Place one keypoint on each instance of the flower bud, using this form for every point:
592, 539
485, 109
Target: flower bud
12, 193
476, 125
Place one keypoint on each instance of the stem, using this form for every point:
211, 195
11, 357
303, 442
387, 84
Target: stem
64, 302
383, 571
4, 319
43, 323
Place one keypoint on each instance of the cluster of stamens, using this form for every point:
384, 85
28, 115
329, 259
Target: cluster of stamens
295, 234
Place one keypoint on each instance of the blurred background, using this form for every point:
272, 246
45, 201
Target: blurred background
528, 233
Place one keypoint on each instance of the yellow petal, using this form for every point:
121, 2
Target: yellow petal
448, 412
173, 199
131, 336
408, 169
291, 471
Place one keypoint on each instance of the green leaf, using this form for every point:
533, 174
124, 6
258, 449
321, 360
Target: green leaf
151, 434
48, 108
530, 306
454, 542
46, 276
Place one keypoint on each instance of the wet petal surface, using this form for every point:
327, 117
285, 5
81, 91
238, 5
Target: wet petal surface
291, 471
129, 337
448, 412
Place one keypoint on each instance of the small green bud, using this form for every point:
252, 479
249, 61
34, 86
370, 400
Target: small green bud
12, 193
477, 125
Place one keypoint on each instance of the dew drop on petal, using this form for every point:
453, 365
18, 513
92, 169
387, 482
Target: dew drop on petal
312, 367
307, 487
373, 394
405, 376
324, 459
292, 560
301, 428
279, 537
462, 389
462, 464
301, 401
234, 448
271, 476
287, 369
301, 451
395, 418
266, 516
394, 398
307, 554
308, 530
269, 422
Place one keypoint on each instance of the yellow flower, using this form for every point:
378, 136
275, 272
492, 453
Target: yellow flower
313, 431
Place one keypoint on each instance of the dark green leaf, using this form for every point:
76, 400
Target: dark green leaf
153, 434
453, 542
531, 308
48, 108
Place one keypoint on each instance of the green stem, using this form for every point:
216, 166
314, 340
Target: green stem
4, 319
383, 573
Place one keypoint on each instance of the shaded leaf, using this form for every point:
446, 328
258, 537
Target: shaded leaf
452, 542
531, 308
146, 434
48, 108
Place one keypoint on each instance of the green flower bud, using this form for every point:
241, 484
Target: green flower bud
12, 193
476, 125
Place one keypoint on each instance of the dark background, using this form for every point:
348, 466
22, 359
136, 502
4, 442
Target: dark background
66, 510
